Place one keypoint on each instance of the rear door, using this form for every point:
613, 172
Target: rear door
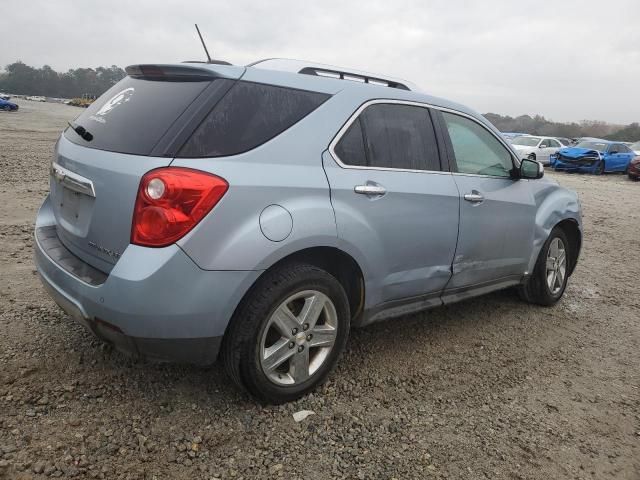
393, 203
132, 129
618, 157
497, 212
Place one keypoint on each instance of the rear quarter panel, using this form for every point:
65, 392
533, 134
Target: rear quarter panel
285, 171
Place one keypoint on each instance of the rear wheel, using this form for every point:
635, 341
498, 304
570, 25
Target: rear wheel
549, 280
288, 333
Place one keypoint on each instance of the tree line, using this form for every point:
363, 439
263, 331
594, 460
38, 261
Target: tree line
539, 125
21, 79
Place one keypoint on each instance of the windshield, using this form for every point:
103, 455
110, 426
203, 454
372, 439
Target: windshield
599, 146
526, 141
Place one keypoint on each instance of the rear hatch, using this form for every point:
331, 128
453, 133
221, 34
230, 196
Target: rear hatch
136, 126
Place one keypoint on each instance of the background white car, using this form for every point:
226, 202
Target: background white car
536, 148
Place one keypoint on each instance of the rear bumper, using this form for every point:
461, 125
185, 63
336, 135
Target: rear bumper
155, 302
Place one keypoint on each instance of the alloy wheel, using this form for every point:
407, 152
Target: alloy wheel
298, 338
556, 265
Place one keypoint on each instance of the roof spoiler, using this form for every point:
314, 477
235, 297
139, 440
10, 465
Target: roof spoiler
169, 73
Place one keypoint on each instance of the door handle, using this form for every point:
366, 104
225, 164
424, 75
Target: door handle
370, 189
474, 197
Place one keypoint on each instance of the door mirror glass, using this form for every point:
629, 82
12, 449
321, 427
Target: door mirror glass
531, 169
543, 145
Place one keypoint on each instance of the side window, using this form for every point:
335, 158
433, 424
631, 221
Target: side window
554, 143
545, 143
391, 136
400, 136
249, 115
476, 150
350, 148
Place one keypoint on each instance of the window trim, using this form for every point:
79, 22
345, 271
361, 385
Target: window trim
447, 167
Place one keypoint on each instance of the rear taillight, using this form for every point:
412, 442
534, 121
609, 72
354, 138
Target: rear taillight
170, 202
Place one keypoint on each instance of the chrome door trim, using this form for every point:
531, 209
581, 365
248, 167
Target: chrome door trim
72, 180
368, 103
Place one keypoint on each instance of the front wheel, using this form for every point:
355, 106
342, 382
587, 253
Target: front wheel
600, 168
549, 280
288, 333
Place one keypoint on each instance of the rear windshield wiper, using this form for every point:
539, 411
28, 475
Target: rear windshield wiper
83, 132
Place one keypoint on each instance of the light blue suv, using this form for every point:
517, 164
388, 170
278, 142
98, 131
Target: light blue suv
259, 212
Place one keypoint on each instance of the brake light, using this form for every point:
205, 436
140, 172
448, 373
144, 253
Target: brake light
170, 202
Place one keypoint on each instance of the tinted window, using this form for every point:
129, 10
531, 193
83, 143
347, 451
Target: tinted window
134, 114
476, 150
350, 148
247, 116
400, 136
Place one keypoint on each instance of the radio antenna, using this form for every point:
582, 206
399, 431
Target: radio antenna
203, 45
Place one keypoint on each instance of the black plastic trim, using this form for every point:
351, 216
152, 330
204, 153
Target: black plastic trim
51, 245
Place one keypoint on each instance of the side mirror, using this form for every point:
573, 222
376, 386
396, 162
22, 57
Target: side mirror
543, 145
531, 169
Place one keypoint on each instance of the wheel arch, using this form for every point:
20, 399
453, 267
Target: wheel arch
572, 230
333, 260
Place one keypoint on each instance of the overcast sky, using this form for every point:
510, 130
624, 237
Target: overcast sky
567, 60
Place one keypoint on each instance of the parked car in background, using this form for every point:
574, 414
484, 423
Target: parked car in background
536, 148
8, 106
511, 135
266, 209
594, 156
36, 98
635, 147
4, 96
634, 168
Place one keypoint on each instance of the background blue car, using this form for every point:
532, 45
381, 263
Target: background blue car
593, 156
6, 105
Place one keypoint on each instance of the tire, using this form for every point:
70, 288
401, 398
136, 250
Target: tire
600, 168
537, 289
259, 326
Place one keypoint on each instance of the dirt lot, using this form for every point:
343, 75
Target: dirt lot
489, 388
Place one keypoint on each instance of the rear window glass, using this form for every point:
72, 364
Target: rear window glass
134, 114
247, 116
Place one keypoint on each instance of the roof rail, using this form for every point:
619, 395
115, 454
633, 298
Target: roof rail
356, 77
331, 71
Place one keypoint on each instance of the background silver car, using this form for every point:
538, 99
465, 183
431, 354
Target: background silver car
262, 211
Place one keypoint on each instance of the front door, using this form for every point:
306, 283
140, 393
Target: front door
497, 212
394, 205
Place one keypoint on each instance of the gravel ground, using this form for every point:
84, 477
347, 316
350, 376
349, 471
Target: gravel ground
489, 388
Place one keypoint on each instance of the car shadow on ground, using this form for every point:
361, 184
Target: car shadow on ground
144, 381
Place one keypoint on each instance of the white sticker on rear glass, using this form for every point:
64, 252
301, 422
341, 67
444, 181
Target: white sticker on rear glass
119, 98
